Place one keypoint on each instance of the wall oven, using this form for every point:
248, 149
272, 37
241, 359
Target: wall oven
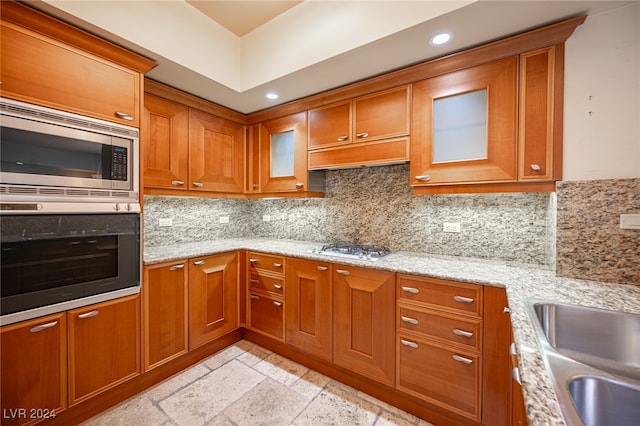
70, 230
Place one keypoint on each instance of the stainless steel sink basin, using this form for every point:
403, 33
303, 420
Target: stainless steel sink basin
601, 401
606, 340
593, 357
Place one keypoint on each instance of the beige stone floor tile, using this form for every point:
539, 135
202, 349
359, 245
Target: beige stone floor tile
222, 357
270, 403
253, 353
201, 401
281, 369
310, 384
176, 382
334, 406
137, 410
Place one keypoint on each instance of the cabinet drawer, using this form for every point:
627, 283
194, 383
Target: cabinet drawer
440, 294
266, 314
266, 262
441, 326
266, 283
440, 375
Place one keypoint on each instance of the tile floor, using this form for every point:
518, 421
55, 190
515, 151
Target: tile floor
247, 385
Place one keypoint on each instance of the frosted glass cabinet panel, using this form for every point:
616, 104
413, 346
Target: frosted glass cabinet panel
282, 154
464, 126
460, 127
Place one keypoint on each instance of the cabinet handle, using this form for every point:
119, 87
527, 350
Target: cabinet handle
463, 299
409, 320
277, 265
506, 310
89, 314
462, 359
177, 182
176, 267
255, 186
275, 302
515, 373
409, 343
43, 326
322, 268
198, 184
254, 261
412, 290
343, 272
254, 297
299, 185
462, 333
362, 135
535, 167
277, 286
423, 178
254, 281
342, 138
124, 116
512, 349
199, 262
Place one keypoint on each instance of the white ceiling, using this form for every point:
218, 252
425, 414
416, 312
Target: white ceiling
233, 52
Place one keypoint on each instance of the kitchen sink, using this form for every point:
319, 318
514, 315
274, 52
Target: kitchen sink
604, 339
593, 357
602, 401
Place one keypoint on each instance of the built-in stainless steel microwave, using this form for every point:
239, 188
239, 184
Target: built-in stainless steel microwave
48, 154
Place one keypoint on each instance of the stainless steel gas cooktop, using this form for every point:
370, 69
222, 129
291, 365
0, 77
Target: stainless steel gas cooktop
352, 251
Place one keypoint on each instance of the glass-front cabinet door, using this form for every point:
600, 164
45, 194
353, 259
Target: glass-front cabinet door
464, 126
283, 154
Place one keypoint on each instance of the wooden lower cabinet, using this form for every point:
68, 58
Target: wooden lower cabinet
165, 310
213, 297
266, 315
34, 369
104, 346
309, 307
363, 321
439, 374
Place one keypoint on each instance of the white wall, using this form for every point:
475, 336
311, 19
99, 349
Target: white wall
602, 97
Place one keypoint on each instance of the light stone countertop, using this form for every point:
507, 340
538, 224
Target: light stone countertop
521, 282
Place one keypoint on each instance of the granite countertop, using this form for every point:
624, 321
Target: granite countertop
521, 282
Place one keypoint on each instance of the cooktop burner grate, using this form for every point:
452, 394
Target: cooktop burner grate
353, 251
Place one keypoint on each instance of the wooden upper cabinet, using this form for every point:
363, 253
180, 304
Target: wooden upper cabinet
60, 71
165, 142
283, 154
330, 125
34, 369
541, 104
464, 126
216, 153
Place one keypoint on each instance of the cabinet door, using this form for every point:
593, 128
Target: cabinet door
266, 315
59, 76
330, 125
34, 369
213, 297
541, 106
164, 296
309, 311
104, 346
216, 153
165, 140
364, 326
382, 115
464, 126
283, 154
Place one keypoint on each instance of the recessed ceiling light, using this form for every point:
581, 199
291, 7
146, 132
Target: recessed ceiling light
272, 95
441, 38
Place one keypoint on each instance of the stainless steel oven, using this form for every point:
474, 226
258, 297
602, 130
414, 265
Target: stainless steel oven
52, 262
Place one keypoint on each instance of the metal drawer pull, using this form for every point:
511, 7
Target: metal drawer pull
463, 299
254, 261
343, 272
43, 326
462, 359
275, 302
512, 349
277, 265
535, 167
177, 182
363, 135
515, 373
254, 281
408, 343
409, 320
277, 286
423, 178
462, 333
322, 268
176, 267
199, 262
198, 184
254, 297
412, 290
299, 185
89, 314
342, 138
124, 116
